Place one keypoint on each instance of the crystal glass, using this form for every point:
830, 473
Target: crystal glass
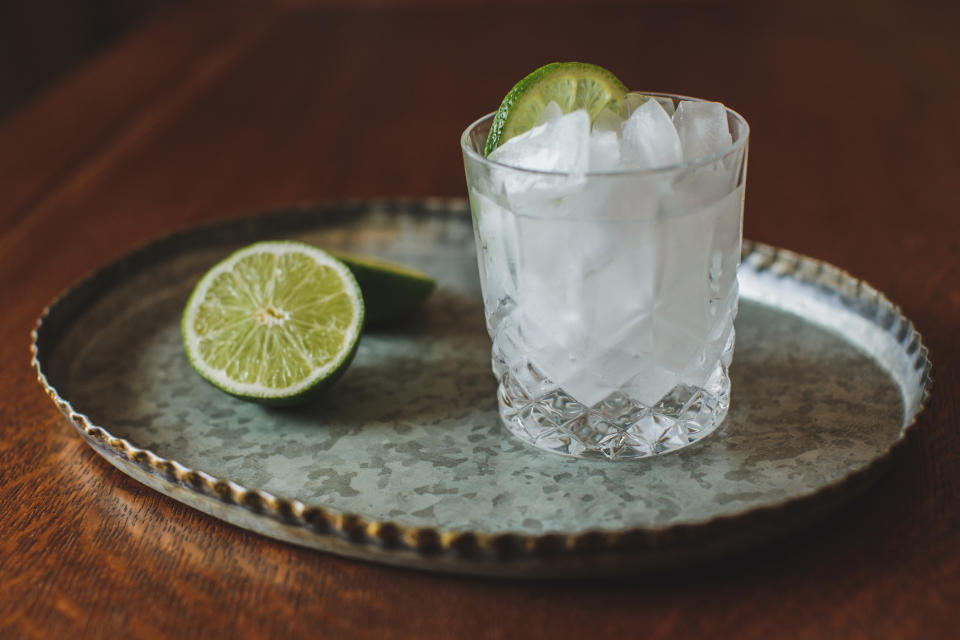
610, 296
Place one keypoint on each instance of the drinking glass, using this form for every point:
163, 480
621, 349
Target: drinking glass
610, 296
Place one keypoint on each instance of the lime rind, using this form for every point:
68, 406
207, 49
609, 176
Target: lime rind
572, 85
373, 262
391, 291
216, 334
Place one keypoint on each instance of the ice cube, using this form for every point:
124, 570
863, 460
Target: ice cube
604, 150
586, 386
608, 120
619, 285
590, 372
651, 384
623, 358
726, 240
682, 283
496, 241
702, 185
702, 128
649, 139
560, 147
544, 275
568, 359
630, 103
587, 315
667, 104
550, 112
553, 256
634, 99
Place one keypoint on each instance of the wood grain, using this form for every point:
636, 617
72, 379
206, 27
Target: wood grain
209, 112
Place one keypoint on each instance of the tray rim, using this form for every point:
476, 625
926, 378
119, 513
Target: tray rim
514, 554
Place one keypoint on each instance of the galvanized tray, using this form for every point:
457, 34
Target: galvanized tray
405, 462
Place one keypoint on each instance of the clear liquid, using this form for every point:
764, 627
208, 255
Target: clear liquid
612, 324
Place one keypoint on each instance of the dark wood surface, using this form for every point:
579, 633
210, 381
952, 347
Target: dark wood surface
42, 40
213, 111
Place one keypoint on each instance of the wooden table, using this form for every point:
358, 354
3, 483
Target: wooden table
213, 111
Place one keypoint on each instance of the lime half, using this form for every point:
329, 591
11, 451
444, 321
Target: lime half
391, 291
274, 322
572, 85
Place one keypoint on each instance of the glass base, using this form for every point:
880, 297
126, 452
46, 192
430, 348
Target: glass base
617, 428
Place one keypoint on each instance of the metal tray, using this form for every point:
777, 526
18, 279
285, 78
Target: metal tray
405, 461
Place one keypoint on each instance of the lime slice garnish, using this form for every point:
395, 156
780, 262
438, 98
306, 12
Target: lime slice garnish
391, 291
572, 85
274, 322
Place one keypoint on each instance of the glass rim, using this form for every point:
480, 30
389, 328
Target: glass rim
740, 143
